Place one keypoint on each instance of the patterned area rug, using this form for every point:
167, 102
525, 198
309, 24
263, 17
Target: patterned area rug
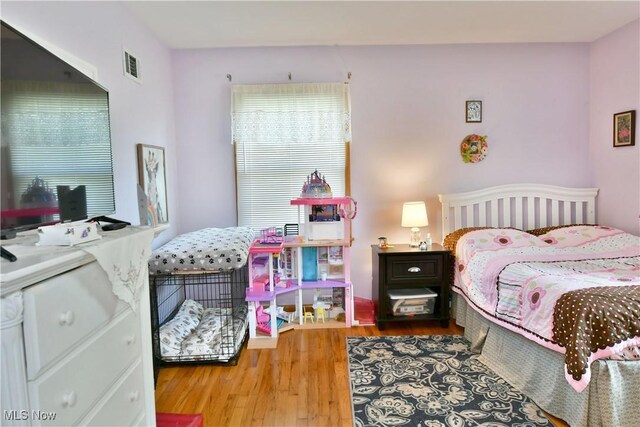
431, 381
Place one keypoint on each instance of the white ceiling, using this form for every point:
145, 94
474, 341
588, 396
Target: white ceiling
203, 24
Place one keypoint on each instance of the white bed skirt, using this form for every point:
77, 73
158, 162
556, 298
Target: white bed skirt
612, 398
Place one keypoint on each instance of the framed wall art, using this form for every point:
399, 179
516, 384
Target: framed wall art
474, 111
624, 128
152, 179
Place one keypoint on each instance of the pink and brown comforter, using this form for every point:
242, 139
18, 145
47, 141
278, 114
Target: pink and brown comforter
575, 290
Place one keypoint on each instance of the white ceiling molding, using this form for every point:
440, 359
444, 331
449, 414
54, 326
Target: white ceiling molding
84, 67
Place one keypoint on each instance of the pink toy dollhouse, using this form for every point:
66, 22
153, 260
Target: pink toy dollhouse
329, 235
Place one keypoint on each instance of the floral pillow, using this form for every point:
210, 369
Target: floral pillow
451, 240
495, 238
545, 230
577, 235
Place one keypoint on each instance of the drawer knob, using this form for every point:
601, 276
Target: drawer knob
414, 270
66, 318
130, 339
134, 396
69, 400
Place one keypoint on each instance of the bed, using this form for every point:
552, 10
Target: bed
198, 284
606, 393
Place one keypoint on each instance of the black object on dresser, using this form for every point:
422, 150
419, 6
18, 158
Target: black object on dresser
401, 267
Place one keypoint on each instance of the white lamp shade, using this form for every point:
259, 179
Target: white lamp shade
414, 214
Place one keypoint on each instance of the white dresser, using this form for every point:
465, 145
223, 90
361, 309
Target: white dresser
72, 352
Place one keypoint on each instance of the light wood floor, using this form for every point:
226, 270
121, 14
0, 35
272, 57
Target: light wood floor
303, 382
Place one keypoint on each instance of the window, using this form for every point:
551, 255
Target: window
282, 133
56, 133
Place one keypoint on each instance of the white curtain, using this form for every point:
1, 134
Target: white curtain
282, 133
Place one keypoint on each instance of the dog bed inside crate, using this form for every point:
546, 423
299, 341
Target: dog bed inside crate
197, 333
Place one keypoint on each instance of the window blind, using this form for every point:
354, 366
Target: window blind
282, 133
54, 144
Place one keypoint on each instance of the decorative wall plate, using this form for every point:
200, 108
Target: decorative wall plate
473, 148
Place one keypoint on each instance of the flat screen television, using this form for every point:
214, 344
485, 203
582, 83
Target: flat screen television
55, 157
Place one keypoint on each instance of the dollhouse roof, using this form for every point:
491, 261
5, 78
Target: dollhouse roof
316, 186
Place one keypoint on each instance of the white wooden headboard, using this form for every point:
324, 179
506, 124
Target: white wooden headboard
524, 206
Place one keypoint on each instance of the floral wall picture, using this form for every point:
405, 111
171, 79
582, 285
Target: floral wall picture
473, 148
624, 128
473, 111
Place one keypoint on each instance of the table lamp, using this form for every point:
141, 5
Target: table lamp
414, 215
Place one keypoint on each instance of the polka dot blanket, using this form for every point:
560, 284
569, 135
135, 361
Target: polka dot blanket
523, 281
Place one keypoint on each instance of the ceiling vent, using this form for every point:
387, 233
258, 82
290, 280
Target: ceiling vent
132, 66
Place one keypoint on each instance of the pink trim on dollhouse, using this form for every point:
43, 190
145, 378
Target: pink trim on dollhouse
265, 248
325, 201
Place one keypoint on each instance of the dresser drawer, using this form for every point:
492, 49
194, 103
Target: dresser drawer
78, 381
62, 311
141, 420
416, 270
123, 404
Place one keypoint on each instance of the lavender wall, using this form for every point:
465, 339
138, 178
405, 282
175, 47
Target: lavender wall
408, 116
408, 121
95, 32
615, 87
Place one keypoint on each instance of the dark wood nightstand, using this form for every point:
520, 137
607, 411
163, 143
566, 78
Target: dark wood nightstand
403, 267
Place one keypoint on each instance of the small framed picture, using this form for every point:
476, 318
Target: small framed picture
624, 128
474, 111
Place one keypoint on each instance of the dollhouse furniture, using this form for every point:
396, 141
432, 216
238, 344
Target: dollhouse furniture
202, 274
321, 306
308, 315
70, 346
319, 313
317, 259
262, 320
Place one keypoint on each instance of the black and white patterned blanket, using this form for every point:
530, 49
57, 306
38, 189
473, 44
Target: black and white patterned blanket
209, 249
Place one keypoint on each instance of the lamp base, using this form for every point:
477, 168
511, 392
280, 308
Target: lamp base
415, 238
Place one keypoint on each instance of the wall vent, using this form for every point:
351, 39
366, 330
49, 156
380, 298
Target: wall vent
132, 66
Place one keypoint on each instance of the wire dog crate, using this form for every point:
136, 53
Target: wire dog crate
223, 292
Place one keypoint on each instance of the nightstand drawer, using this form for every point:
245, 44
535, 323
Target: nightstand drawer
414, 269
